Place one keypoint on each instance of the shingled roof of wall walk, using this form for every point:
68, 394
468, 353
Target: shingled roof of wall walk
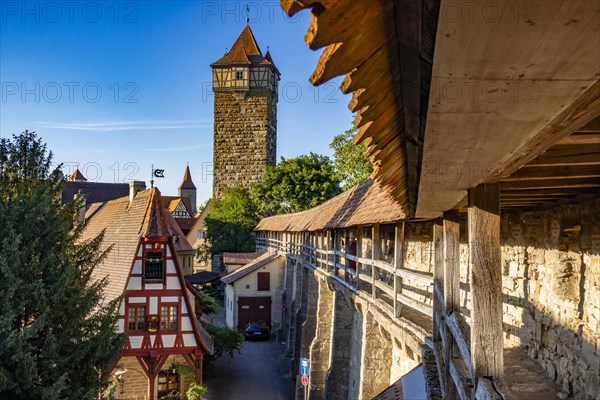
364, 204
124, 224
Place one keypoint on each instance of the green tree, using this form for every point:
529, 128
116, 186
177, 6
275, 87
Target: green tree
231, 221
296, 184
56, 337
226, 342
349, 159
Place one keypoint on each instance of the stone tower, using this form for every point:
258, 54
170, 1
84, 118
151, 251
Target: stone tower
245, 131
188, 189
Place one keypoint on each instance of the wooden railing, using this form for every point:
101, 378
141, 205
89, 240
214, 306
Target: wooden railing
361, 270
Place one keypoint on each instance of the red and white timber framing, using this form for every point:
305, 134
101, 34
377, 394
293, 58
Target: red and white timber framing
153, 345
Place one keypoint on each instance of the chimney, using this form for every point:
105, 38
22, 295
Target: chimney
134, 187
82, 206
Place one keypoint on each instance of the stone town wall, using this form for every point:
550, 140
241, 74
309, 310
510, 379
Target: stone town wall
245, 138
551, 286
551, 279
418, 256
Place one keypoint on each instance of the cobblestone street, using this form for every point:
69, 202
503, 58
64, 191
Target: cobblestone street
256, 374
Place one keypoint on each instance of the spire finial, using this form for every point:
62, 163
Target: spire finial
247, 15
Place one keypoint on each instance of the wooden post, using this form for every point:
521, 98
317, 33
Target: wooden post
335, 249
346, 262
328, 256
358, 255
376, 250
398, 264
486, 281
438, 305
198, 369
438, 278
451, 291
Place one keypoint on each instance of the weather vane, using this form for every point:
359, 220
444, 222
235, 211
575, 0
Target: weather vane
247, 14
156, 173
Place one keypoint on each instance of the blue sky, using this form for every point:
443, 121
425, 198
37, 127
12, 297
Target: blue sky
115, 87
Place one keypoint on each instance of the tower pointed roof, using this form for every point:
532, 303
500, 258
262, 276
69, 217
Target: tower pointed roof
77, 176
187, 182
245, 50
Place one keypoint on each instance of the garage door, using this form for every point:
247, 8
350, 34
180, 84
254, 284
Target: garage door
251, 309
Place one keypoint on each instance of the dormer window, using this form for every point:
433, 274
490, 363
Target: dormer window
239, 75
154, 266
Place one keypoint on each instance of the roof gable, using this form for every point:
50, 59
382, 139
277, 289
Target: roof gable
124, 224
251, 267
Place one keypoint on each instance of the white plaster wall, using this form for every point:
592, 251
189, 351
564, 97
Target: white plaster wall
230, 310
247, 287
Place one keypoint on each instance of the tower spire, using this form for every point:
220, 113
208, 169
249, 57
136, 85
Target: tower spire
188, 189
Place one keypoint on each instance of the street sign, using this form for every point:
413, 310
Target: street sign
304, 366
305, 380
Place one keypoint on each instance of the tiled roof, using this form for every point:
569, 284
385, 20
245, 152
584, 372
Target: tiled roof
124, 225
182, 245
187, 182
77, 176
170, 203
186, 223
245, 50
241, 258
250, 267
364, 204
94, 192
202, 277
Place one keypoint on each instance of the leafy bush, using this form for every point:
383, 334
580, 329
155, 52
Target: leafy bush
195, 392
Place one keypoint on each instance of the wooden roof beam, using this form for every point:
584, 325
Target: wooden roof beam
334, 23
555, 172
552, 184
292, 7
573, 117
581, 138
341, 58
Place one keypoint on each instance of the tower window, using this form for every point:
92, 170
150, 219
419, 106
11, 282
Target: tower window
239, 75
154, 266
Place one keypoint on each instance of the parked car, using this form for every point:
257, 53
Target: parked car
257, 330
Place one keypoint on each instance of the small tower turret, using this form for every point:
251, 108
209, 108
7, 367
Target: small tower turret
188, 189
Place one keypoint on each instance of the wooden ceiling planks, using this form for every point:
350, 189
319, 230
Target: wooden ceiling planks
569, 169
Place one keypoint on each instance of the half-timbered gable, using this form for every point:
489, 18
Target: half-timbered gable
156, 312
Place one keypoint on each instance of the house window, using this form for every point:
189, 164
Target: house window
136, 317
154, 266
168, 383
239, 75
168, 318
201, 234
264, 281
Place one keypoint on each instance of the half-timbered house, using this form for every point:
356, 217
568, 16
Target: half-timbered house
156, 313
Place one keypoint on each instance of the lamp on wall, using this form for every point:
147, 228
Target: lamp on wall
120, 374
